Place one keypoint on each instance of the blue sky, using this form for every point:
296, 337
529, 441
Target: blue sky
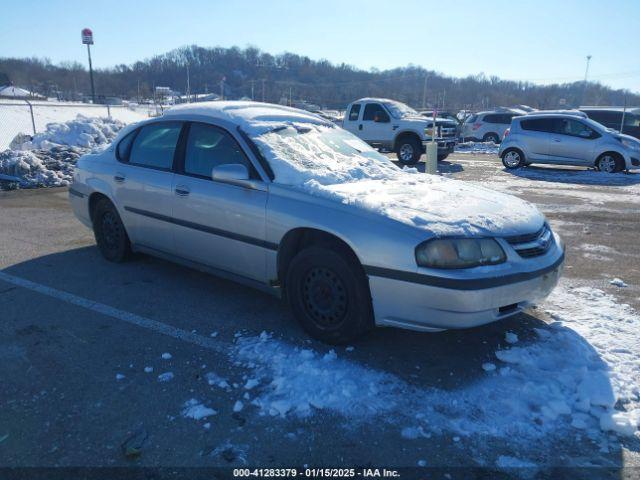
544, 41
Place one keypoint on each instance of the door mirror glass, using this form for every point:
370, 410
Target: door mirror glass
230, 173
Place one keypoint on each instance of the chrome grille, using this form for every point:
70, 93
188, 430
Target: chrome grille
532, 244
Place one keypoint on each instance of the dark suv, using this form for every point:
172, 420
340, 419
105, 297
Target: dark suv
611, 117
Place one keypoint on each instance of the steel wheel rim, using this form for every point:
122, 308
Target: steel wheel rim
325, 297
607, 164
512, 159
111, 232
406, 152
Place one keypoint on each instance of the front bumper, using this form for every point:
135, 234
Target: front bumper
417, 306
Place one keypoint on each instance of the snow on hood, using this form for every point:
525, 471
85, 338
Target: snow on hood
332, 163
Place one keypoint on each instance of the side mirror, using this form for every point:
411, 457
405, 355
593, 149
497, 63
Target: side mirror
235, 173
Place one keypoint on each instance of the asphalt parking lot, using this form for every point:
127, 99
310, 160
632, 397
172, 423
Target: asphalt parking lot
79, 337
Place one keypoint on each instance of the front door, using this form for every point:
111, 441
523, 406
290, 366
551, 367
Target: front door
218, 224
572, 142
375, 126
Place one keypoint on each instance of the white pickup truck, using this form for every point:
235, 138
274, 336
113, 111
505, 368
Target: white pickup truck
393, 126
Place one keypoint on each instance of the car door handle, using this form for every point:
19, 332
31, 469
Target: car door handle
360, 127
118, 177
557, 140
182, 191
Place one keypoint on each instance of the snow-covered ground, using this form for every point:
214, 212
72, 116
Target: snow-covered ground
578, 376
477, 147
15, 117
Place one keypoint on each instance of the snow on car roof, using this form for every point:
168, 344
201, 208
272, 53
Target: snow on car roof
250, 116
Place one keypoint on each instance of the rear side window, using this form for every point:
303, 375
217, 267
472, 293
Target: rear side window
373, 111
155, 145
124, 147
538, 124
500, 118
208, 147
355, 112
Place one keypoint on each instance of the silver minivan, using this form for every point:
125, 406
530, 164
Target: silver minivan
567, 139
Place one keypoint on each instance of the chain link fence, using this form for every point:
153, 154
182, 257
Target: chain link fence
29, 117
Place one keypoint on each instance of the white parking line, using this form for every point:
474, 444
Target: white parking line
153, 325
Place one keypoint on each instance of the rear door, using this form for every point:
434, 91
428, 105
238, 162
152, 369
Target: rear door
536, 134
218, 224
572, 142
143, 180
376, 124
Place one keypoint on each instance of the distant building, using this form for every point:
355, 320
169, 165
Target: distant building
11, 91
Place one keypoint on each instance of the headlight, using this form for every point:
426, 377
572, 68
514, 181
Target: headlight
631, 144
459, 253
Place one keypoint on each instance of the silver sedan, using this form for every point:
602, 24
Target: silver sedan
284, 201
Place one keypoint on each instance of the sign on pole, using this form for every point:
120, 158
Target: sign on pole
87, 36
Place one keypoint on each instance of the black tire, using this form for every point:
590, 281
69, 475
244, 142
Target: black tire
512, 155
111, 236
491, 137
329, 295
408, 150
603, 163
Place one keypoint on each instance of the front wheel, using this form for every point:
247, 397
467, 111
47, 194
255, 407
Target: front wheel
512, 158
408, 150
609, 163
329, 295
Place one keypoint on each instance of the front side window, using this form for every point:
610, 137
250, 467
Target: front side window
155, 145
573, 128
208, 147
124, 147
354, 113
374, 112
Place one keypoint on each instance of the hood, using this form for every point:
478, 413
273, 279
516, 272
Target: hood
439, 205
624, 136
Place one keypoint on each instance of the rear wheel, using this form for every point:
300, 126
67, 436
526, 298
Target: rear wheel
408, 150
512, 158
610, 163
329, 295
111, 236
491, 137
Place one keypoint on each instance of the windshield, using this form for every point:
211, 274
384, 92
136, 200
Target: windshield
301, 153
399, 109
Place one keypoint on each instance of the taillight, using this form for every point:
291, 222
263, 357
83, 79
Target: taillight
476, 126
506, 132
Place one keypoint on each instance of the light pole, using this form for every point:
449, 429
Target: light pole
586, 72
87, 39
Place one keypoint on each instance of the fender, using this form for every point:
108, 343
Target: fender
407, 131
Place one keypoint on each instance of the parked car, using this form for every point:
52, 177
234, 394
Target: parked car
567, 140
393, 126
487, 126
285, 201
612, 117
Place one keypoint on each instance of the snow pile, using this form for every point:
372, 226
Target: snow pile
581, 372
83, 132
477, 147
29, 169
334, 164
48, 158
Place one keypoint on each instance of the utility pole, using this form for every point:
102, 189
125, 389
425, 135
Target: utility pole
222, 88
424, 93
586, 76
188, 85
87, 39
252, 85
290, 102
263, 90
